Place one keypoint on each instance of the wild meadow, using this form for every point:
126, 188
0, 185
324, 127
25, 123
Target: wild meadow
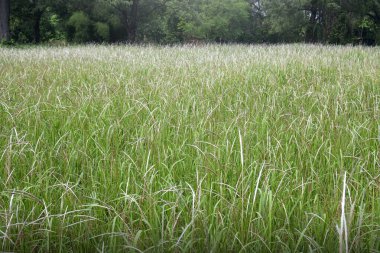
211, 148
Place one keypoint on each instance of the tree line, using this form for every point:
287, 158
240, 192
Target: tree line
182, 21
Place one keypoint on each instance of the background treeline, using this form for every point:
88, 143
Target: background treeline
178, 21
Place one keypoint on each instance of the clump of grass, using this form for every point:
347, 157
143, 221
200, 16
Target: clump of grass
190, 149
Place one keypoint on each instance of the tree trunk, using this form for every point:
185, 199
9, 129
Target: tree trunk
124, 15
4, 20
36, 28
310, 32
129, 16
132, 26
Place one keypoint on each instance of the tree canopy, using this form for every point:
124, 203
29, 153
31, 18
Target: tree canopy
178, 21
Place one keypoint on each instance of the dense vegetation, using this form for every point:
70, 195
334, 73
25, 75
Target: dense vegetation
190, 149
178, 21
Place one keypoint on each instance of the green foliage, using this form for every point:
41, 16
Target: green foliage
284, 20
178, 21
102, 31
225, 20
80, 25
21, 25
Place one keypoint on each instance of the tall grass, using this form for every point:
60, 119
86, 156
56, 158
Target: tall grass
190, 149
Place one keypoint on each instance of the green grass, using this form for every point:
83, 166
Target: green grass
190, 149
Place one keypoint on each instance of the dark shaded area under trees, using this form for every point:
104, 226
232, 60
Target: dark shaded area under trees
181, 21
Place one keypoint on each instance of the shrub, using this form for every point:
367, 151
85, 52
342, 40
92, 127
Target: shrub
80, 25
102, 31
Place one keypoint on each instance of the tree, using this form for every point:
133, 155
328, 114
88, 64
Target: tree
4, 20
232, 25
259, 28
38, 9
286, 20
128, 11
178, 21
81, 27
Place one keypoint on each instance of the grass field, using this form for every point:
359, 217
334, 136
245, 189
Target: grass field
190, 149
